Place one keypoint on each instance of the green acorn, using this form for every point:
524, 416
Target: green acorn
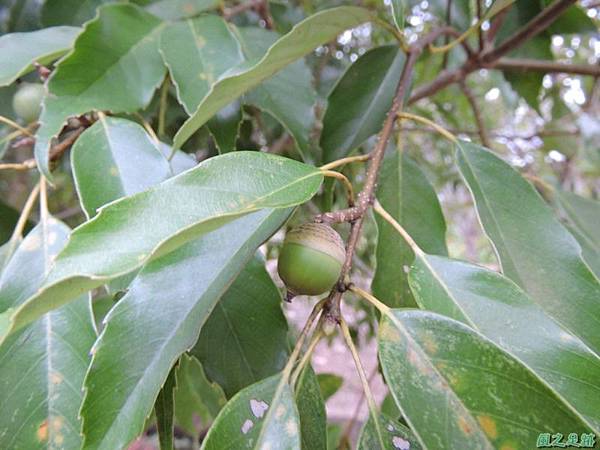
311, 259
27, 101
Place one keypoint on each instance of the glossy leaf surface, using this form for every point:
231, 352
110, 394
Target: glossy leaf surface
139, 358
395, 436
458, 390
245, 338
43, 365
360, 100
499, 309
406, 194
534, 248
263, 415
311, 409
115, 158
288, 95
583, 216
98, 75
198, 52
69, 12
18, 51
164, 410
195, 395
238, 183
303, 38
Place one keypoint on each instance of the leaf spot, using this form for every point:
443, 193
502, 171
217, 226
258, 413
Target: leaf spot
247, 425
389, 333
52, 238
464, 425
31, 243
114, 171
489, 426
291, 428
280, 411
56, 378
258, 408
42, 431
57, 423
58, 439
400, 443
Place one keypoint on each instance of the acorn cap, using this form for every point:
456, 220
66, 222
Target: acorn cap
320, 237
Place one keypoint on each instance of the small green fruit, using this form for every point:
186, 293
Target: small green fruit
27, 102
311, 259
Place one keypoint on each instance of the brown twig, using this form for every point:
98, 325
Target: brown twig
495, 134
534, 27
355, 215
483, 135
57, 150
487, 60
480, 34
536, 65
43, 71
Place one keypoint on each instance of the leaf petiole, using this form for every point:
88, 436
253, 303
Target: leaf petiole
432, 124
345, 181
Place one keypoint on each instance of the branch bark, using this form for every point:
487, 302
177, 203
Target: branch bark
536, 65
355, 214
487, 59
534, 27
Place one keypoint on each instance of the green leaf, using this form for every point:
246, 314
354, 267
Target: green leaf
359, 102
42, 365
99, 75
18, 51
238, 183
395, 436
245, 338
311, 409
195, 396
164, 410
136, 351
304, 37
260, 416
583, 217
69, 12
398, 8
528, 83
406, 194
225, 127
457, 390
329, 384
115, 158
288, 95
180, 9
534, 248
198, 52
499, 309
